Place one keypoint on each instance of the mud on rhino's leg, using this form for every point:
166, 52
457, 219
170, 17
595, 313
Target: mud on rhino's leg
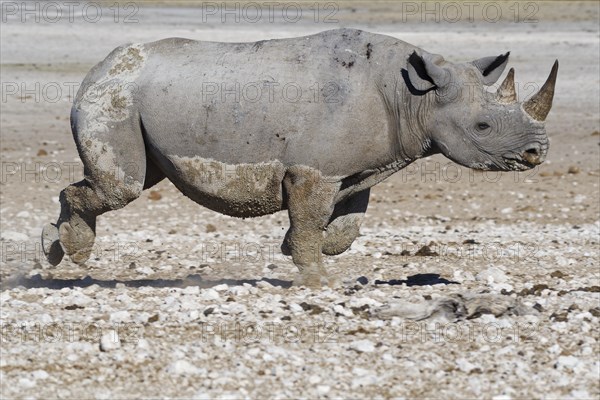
344, 225
310, 205
115, 171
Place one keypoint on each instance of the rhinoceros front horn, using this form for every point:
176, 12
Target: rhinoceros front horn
506, 91
540, 104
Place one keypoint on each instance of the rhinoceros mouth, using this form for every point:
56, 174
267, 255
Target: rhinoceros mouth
517, 163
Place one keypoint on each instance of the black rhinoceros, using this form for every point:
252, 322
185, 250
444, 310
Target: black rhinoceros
305, 124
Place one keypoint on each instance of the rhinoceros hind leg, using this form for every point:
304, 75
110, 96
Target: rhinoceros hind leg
310, 205
115, 170
51, 245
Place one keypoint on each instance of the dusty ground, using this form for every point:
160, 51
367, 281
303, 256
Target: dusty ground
201, 303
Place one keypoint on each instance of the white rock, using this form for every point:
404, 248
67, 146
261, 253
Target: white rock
239, 290
23, 214
338, 308
363, 346
263, 285
26, 383
567, 362
296, 308
14, 236
253, 352
209, 294
143, 345
191, 290
183, 367
110, 341
580, 394
492, 275
323, 389
40, 374
464, 365
120, 316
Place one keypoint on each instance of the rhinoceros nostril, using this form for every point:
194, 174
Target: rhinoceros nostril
532, 155
534, 152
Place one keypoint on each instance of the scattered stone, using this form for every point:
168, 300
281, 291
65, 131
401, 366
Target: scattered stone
573, 170
313, 308
591, 289
567, 362
557, 274
465, 365
182, 367
42, 152
13, 236
426, 251
492, 275
595, 312
363, 280
191, 290
363, 346
154, 195
536, 290
210, 228
560, 316
110, 341
40, 374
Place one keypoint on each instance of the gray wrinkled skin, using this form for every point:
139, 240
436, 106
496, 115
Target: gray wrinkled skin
305, 124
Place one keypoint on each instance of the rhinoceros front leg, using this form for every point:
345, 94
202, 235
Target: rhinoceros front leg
310, 205
344, 225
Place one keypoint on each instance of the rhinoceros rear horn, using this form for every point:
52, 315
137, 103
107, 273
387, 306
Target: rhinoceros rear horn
506, 92
540, 104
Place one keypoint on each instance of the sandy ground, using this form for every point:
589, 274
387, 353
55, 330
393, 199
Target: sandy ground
178, 301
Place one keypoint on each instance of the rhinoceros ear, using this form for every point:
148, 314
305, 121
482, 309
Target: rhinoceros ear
422, 74
491, 67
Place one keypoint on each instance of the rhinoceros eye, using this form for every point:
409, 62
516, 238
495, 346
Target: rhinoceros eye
482, 126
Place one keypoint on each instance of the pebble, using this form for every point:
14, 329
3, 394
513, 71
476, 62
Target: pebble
465, 365
27, 383
363, 346
492, 275
567, 362
110, 341
183, 367
120, 316
40, 374
14, 236
191, 290
209, 294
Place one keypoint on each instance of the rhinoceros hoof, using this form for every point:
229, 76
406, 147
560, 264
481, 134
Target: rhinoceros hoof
77, 241
315, 280
51, 245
